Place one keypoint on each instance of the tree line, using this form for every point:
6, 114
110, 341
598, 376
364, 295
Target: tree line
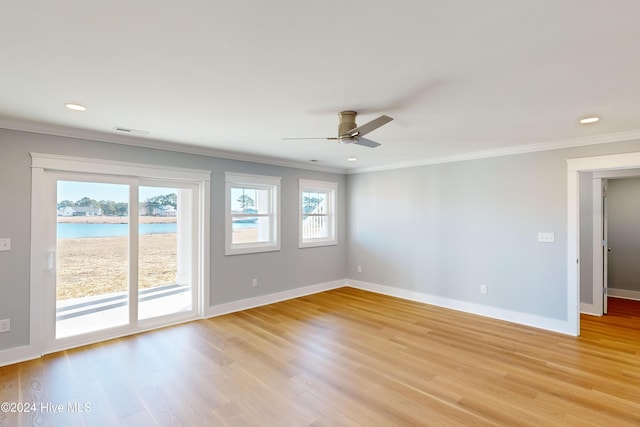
111, 208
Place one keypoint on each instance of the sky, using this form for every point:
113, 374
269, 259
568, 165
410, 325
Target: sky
75, 190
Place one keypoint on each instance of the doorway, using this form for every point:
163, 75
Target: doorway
603, 250
604, 165
622, 224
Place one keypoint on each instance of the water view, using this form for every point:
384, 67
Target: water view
80, 230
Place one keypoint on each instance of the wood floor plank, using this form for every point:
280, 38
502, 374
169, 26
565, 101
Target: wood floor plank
343, 358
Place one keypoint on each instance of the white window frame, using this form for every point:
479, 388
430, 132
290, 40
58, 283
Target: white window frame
272, 185
331, 189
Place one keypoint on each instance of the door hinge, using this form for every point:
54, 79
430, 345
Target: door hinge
604, 291
604, 243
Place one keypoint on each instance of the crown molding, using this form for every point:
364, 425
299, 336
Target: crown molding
186, 148
157, 144
509, 151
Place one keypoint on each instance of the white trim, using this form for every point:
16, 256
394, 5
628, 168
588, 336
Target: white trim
597, 262
18, 354
331, 189
615, 174
574, 166
590, 309
245, 304
251, 179
573, 252
624, 294
606, 162
37, 267
510, 150
467, 307
204, 247
110, 167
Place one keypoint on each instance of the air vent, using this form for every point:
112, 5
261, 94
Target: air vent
131, 131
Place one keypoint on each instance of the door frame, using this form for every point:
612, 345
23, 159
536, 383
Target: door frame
41, 202
607, 166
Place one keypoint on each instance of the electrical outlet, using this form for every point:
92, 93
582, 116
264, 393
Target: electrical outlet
5, 325
546, 237
359, 269
5, 244
254, 283
483, 289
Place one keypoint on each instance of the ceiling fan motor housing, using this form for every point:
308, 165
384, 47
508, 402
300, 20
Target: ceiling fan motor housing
347, 122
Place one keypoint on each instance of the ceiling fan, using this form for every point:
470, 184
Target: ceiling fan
350, 133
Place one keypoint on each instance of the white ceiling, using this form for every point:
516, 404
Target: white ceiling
458, 76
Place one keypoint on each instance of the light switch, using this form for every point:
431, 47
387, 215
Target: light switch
5, 244
546, 237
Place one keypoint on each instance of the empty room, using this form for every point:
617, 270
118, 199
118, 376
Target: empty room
339, 213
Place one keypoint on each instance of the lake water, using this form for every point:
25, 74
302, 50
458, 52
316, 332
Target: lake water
75, 231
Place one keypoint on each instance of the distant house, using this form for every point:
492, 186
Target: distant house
79, 211
166, 210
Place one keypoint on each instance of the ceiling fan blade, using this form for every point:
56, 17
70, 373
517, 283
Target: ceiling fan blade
367, 143
370, 126
293, 139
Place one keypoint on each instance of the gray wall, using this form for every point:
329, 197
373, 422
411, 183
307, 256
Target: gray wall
445, 229
623, 202
441, 230
231, 276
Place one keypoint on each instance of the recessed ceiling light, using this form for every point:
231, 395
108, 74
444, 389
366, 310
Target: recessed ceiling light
588, 120
352, 159
75, 107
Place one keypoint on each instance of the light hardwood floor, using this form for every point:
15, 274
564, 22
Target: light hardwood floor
342, 358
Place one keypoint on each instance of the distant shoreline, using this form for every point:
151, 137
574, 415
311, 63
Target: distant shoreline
115, 219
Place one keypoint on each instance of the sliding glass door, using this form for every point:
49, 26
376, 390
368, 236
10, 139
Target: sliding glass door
124, 259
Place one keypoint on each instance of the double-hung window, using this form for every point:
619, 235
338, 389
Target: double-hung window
252, 213
317, 218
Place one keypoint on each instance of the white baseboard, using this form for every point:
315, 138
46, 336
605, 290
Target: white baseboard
623, 293
590, 309
230, 307
496, 313
17, 355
